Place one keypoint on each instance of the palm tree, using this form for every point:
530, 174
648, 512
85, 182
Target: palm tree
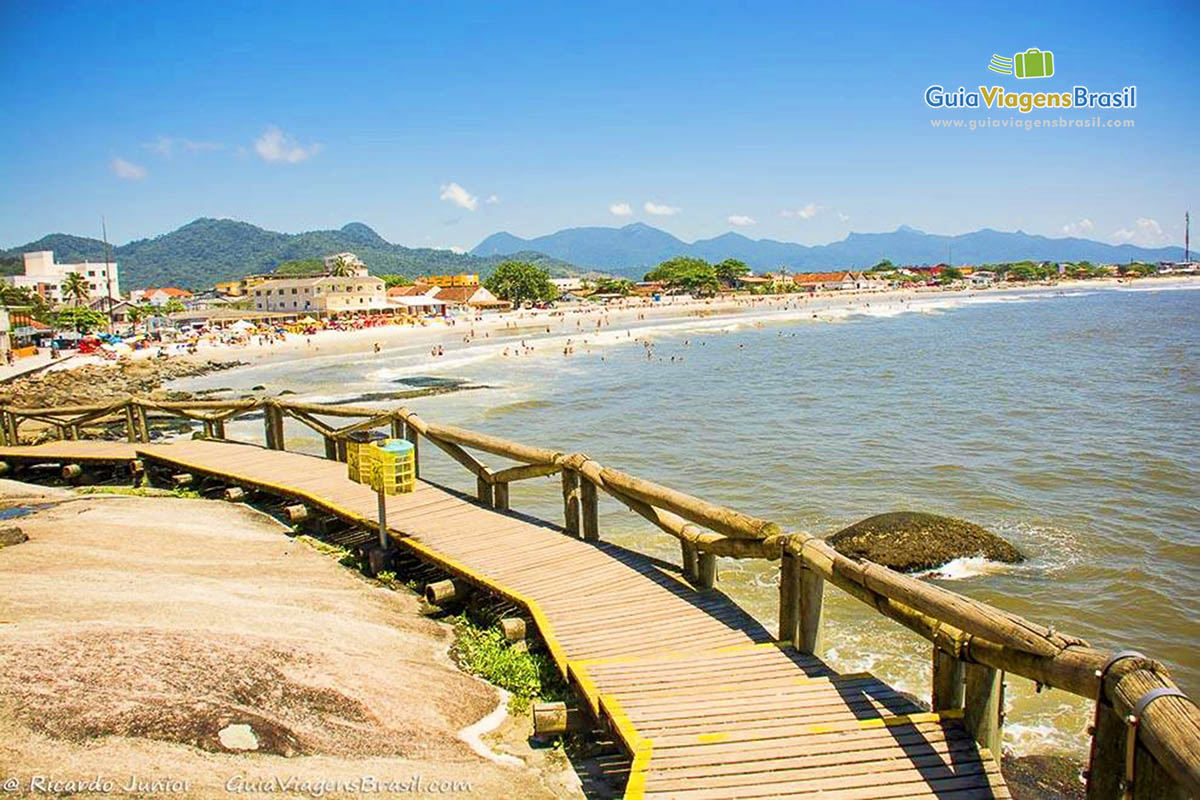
340, 268
75, 287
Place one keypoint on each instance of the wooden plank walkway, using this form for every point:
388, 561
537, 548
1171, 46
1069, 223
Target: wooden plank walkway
703, 698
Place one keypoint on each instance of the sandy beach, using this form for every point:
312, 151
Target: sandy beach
559, 330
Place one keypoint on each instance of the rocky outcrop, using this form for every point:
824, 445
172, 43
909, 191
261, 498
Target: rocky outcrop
910, 541
98, 383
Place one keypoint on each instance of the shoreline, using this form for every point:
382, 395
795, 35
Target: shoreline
540, 324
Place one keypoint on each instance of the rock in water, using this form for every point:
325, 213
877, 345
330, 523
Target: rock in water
909, 541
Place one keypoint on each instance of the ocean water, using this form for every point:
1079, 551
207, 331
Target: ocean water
1066, 422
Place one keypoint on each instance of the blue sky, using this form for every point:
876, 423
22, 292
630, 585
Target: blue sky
440, 123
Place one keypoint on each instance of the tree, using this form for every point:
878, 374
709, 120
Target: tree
950, 275
884, 265
613, 286
684, 273
729, 270
81, 319
521, 282
75, 287
392, 279
141, 312
305, 266
173, 306
341, 267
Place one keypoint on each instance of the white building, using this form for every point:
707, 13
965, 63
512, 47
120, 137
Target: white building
565, 285
328, 293
45, 277
357, 267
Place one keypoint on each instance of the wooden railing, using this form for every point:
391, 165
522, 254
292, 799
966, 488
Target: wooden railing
1146, 737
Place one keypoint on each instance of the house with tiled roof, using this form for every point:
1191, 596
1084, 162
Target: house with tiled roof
159, 296
473, 296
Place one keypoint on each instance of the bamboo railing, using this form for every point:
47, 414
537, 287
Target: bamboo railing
1146, 736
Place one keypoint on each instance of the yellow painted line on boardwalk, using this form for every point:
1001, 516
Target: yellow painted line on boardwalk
639, 746
711, 738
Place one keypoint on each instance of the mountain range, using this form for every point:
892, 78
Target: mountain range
631, 250
206, 251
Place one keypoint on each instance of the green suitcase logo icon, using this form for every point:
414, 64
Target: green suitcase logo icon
1033, 63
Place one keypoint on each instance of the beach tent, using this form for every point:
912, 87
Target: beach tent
307, 321
242, 325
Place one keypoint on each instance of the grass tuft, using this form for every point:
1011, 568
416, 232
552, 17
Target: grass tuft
485, 652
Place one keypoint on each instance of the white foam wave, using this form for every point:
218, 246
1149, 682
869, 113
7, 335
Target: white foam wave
962, 568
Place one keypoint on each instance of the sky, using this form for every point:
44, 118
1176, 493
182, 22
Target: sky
438, 124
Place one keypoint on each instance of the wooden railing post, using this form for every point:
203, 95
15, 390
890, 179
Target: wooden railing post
331, 448
218, 428
706, 570
130, 423
589, 511
789, 598
273, 424
1106, 767
484, 491
397, 428
143, 422
947, 692
208, 429
688, 560
811, 597
570, 492
981, 705
14, 436
500, 495
4, 428
410, 433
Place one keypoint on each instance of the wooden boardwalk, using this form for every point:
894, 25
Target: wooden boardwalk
705, 701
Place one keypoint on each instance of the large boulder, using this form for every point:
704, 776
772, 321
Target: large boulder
910, 541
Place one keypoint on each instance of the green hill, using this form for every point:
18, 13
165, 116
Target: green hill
206, 251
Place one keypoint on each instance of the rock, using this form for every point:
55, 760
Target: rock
12, 535
258, 388
238, 737
909, 541
1043, 777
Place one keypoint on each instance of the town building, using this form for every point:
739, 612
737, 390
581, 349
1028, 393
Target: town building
159, 296
446, 281
328, 294
838, 281
118, 311
45, 277
352, 263
565, 285
472, 296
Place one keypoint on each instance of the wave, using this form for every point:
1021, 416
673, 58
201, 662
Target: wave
966, 567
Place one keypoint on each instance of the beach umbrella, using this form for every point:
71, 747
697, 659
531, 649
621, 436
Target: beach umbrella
242, 325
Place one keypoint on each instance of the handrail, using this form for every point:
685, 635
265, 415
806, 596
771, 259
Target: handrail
966, 630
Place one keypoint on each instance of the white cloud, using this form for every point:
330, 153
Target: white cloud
1145, 231
492, 200
126, 170
1084, 226
843, 217
741, 220
459, 196
804, 212
660, 210
456, 249
620, 210
166, 146
275, 145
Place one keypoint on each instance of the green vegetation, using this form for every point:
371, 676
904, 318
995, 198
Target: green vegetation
391, 279
206, 251
686, 274
729, 270
484, 651
301, 267
140, 491
950, 275
343, 556
79, 318
619, 286
521, 282
75, 287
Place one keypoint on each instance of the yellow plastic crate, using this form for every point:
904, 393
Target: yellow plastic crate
395, 471
358, 461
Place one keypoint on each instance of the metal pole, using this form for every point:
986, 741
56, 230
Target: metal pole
383, 529
107, 279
